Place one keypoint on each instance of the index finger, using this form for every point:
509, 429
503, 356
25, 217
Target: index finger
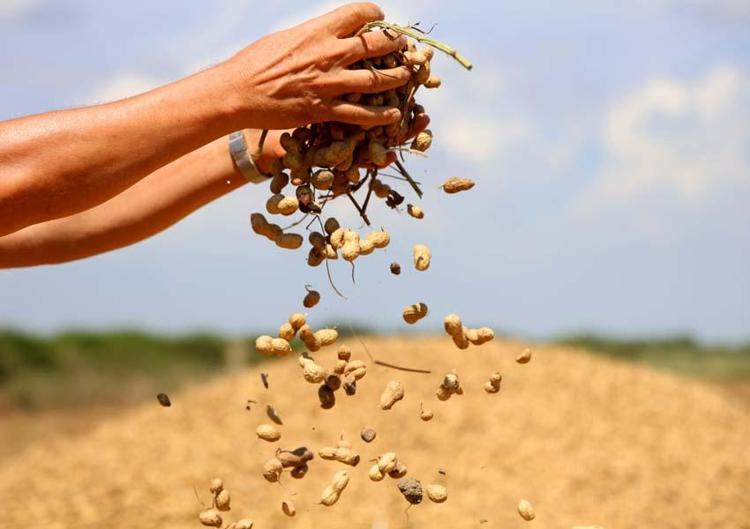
346, 20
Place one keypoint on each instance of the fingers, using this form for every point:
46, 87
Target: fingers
363, 115
372, 44
345, 20
369, 81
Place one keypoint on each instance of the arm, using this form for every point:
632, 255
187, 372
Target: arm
148, 207
60, 163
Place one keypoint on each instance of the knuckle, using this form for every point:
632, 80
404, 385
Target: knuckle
313, 106
368, 10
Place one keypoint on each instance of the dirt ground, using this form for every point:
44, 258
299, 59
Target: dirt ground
589, 441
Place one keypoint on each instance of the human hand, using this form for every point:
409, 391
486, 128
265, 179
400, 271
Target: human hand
297, 76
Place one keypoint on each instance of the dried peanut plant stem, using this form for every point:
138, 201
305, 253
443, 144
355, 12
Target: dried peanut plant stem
420, 37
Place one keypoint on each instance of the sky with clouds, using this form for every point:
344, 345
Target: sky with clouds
610, 142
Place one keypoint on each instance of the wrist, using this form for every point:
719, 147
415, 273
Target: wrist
235, 95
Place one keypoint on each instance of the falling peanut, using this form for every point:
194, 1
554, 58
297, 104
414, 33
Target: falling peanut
526, 510
425, 414
312, 372
524, 356
393, 393
311, 298
268, 432
222, 500
297, 320
437, 493
333, 491
456, 185
415, 211
413, 313
287, 507
493, 384
210, 518
449, 386
422, 257
272, 469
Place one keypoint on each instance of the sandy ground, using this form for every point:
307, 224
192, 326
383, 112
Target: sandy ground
589, 441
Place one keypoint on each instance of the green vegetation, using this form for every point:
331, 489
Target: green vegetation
74, 368
681, 354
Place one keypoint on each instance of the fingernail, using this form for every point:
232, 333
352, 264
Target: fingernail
393, 114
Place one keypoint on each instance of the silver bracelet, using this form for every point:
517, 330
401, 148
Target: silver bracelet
242, 160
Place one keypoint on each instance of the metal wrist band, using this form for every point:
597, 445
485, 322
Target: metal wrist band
242, 160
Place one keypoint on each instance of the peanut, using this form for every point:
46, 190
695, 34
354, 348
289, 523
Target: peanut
480, 336
422, 141
312, 372
415, 211
287, 507
263, 345
268, 432
163, 399
449, 386
368, 435
393, 393
280, 346
437, 493
456, 185
425, 414
294, 458
493, 384
524, 356
344, 353
413, 313
287, 331
297, 320
311, 299
399, 471
326, 336
387, 462
331, 225
222, 500
272, 469
422, 257
289, 241
333, 491
326, 397
210, 518
342, 454
379, 238
526, 510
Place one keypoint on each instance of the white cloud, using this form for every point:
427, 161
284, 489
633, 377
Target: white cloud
677, 140
122, 85
11, 9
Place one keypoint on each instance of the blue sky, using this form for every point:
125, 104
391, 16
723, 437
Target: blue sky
610, 142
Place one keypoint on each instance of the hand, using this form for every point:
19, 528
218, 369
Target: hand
295, 77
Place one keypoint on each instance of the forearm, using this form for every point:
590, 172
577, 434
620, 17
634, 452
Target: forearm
148, 207
57, 164
60, 163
